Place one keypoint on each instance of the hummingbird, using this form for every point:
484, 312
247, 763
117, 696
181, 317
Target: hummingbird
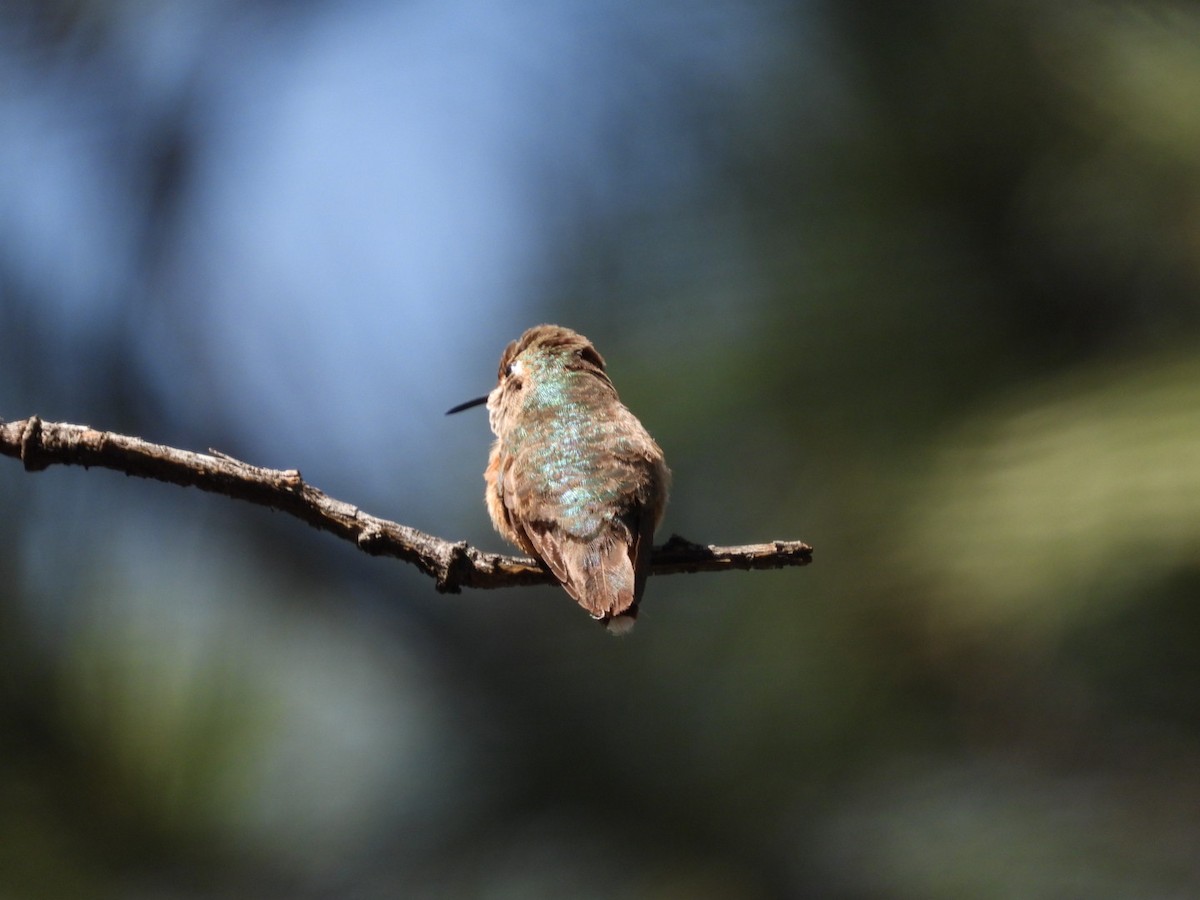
573, 477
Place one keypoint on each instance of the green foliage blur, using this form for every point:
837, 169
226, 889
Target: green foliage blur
932, 304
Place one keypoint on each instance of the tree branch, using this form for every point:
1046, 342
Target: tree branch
453, 565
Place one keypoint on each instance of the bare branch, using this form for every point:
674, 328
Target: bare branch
453, 566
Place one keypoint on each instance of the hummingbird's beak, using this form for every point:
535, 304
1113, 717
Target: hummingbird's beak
478, 401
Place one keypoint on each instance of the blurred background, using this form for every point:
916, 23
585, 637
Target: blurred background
917, 283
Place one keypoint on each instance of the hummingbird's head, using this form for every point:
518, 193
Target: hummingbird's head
535, 370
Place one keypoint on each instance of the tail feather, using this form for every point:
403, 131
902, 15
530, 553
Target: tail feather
600, 576
606, 574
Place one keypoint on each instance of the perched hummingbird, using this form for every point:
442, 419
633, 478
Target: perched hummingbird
573, 477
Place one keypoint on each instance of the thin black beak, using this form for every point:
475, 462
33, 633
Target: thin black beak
478, 401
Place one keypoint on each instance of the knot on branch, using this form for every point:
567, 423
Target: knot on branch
31, 444
372, 539
455, 565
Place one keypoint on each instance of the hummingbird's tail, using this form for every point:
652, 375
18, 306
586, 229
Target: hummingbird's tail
602, 573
